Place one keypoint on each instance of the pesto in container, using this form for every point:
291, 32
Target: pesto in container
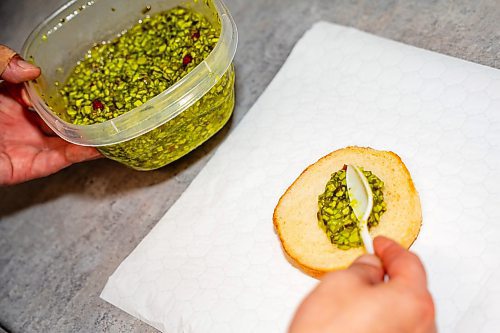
119, 75
335, 215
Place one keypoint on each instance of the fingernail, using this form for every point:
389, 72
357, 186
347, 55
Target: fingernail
369, 259
25, 97
23, 64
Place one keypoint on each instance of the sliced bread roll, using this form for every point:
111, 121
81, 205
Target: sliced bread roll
295, 217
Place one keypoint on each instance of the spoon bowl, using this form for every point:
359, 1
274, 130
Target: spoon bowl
361, 202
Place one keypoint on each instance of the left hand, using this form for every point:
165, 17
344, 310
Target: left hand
28, 149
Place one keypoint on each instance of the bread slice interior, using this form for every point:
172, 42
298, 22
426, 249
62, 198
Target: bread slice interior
295, 217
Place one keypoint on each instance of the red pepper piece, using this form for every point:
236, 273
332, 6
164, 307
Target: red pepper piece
187, 59
97, 105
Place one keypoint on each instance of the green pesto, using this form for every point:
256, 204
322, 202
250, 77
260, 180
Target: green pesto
119, 75
336, 216
180, 135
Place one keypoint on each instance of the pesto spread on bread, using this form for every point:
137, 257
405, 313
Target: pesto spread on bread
335, 215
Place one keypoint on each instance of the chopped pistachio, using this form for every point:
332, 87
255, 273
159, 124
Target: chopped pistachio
341, 224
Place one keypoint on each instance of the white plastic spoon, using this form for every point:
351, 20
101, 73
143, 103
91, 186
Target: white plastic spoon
361, 202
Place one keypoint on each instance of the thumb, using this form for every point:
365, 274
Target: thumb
14, 69
368, 268
401, 265
59, 155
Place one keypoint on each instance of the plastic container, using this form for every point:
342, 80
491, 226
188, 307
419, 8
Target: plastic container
164, 128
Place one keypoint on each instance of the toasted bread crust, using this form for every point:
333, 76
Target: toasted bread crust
304, 242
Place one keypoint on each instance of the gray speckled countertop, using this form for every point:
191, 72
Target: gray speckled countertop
62, 236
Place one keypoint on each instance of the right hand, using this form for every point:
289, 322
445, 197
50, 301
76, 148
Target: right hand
359, 300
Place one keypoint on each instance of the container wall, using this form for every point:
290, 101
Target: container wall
180, 135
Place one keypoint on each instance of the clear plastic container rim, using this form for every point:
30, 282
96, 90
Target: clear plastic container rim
156, 111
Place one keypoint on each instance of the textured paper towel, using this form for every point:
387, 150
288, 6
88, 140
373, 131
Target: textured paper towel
214, 264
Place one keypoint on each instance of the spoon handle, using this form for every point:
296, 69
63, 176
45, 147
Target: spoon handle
367, 239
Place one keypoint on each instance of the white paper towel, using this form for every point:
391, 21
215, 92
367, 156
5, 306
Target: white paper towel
214, 264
